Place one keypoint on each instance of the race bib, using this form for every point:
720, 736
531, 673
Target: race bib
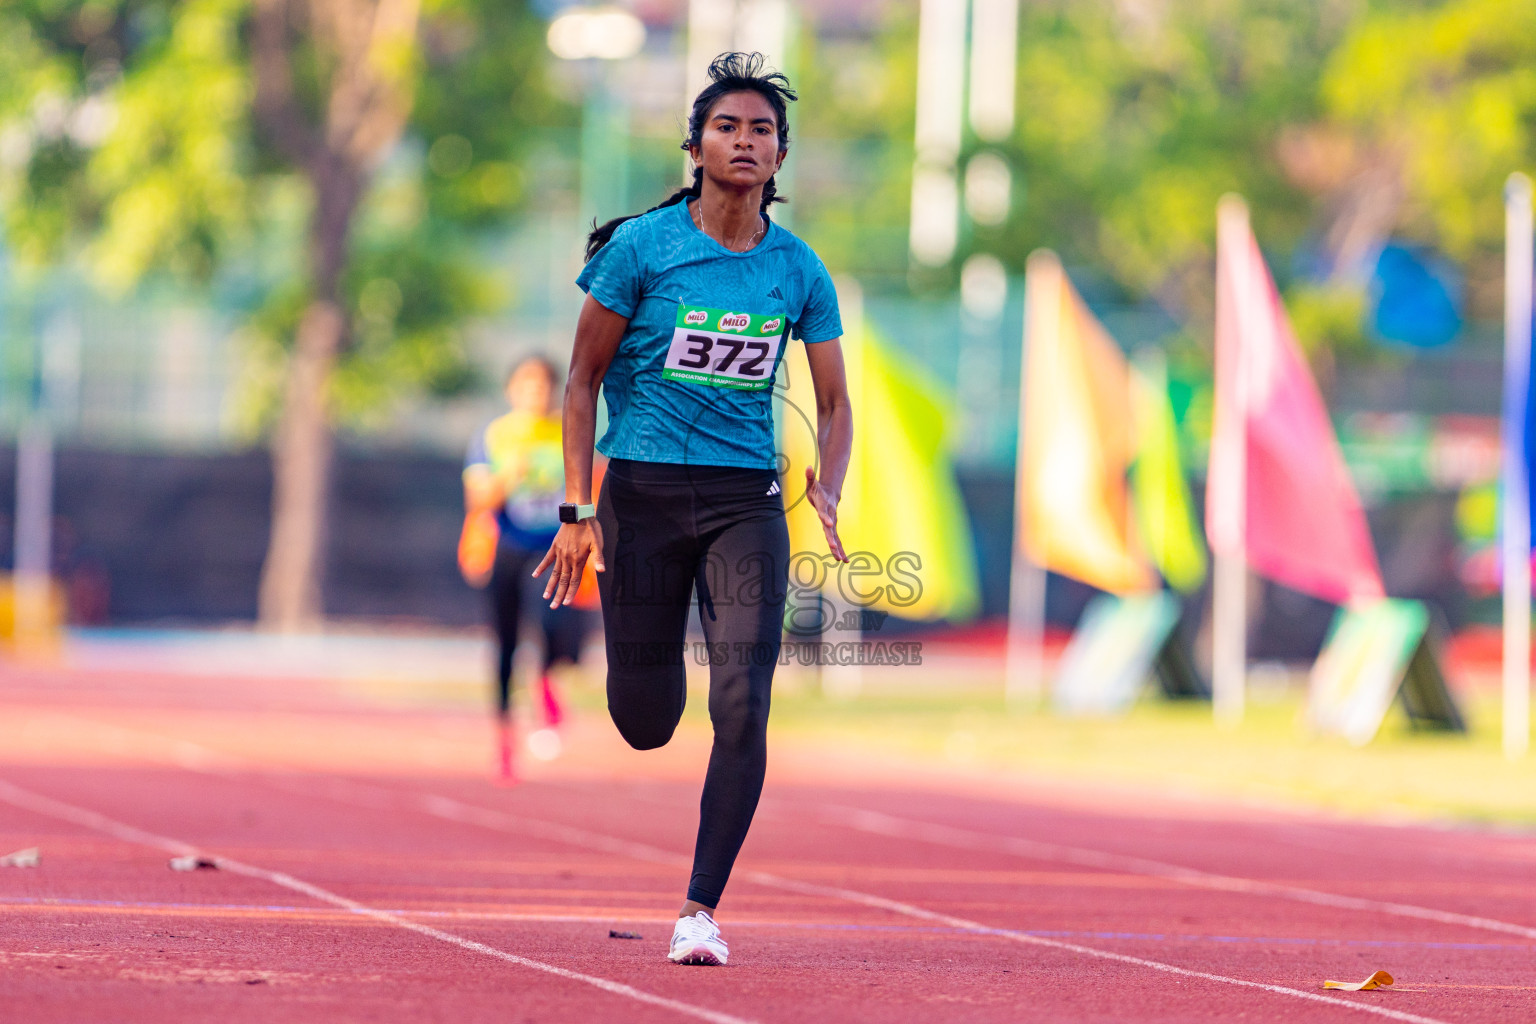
724, 349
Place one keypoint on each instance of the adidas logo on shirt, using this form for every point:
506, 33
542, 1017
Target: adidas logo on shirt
773, 488
776, 294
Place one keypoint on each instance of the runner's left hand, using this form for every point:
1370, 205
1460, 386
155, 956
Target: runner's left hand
573, 545
825, 505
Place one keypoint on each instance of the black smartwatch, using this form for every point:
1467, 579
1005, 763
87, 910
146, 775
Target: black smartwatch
576, 513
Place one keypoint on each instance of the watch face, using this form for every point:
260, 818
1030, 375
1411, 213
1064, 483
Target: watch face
567, 513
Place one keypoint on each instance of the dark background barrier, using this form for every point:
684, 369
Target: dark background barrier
179, 538
145, 538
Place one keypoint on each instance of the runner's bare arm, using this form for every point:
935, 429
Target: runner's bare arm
483, 491
598, 331
834, 436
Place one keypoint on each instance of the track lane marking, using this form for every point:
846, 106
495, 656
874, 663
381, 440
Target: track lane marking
609, 915
879, 823
456, 810
37, 803
198, 758
897, 906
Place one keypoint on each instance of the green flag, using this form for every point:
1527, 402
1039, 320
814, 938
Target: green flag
1159, 492
900, 501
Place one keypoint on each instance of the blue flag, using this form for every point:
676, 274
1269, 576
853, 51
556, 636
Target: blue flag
1518, 431
1416, 299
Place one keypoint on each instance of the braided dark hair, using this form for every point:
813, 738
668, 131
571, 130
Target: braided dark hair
728, 73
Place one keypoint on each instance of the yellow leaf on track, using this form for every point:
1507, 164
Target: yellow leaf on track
1381, 979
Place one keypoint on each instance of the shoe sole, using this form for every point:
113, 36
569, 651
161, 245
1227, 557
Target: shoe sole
698, 956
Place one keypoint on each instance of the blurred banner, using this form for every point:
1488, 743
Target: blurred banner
900, 503
1279, 494
1073, 514
1121, 644
1375, 655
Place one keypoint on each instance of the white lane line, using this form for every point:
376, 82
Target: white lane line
1421, 843
647, 915
896, 906
877, 823
39, 804
458, 811
197, 758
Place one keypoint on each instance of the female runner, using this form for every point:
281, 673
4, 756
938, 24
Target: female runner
688, 309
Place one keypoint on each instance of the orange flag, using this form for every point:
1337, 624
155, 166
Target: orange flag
1074, 518
1278, 491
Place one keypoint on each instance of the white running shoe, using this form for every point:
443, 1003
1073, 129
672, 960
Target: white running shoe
696, 940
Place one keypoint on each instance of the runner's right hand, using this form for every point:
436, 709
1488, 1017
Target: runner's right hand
568, 554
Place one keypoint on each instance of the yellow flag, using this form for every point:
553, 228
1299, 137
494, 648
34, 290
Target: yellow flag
900, 506
1078, 440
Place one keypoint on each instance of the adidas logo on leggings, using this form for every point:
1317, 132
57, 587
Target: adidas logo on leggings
773, 488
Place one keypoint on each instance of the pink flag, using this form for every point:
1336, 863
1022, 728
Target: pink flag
1289, 507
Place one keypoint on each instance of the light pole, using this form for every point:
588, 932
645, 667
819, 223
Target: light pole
766, 26
596, 37
32, 541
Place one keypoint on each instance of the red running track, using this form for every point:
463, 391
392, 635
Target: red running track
367, 872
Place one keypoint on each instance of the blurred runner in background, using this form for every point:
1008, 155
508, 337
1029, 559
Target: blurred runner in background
514, 480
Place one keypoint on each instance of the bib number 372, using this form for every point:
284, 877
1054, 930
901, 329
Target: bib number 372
724, 349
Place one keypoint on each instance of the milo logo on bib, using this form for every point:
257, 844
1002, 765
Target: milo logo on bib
723, 348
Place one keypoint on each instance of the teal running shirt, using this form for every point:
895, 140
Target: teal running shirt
692, 381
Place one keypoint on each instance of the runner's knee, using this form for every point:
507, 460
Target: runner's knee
645, 721
643, 733
742, 724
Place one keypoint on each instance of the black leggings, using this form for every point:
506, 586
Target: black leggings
510, 586
670, 531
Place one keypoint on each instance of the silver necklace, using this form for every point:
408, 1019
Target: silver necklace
699, 207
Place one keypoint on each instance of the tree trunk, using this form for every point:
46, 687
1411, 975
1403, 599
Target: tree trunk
290, 598
292, 577
368, 99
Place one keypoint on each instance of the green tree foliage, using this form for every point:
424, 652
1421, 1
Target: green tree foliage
122, 126
128, 145
853, 139
335, 161
1442, 97
1134, 118
1343, 122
